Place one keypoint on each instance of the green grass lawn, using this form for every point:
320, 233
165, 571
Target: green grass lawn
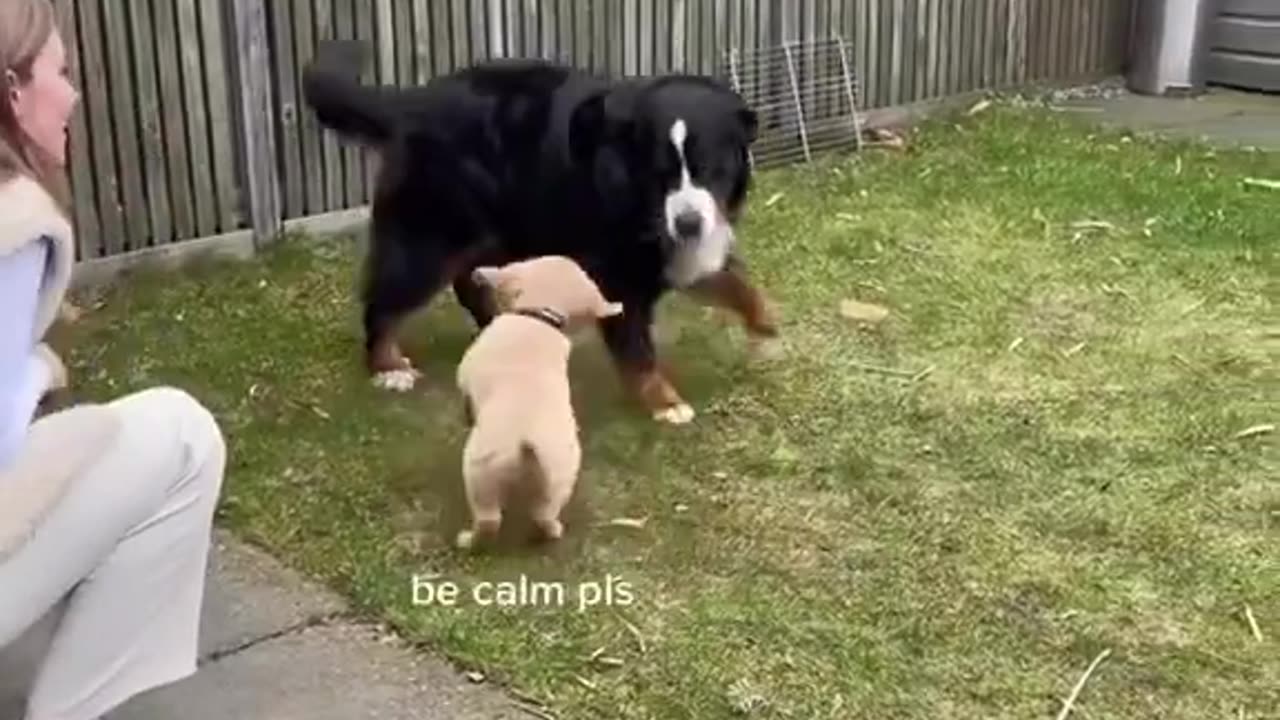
1036, 457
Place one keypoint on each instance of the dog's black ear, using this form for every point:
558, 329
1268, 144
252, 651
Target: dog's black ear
593, 126
750, 123
588, 127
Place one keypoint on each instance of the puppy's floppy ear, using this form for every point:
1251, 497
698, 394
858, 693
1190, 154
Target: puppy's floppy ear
609, 309
750, 123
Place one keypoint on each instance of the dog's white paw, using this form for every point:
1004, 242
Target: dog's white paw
766, 349
466, 540
680, 414
397, 380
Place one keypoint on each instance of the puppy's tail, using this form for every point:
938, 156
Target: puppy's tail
332, 88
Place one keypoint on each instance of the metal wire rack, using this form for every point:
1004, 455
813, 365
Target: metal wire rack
806, 94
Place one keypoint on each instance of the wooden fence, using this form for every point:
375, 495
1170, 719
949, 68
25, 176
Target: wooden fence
191, 123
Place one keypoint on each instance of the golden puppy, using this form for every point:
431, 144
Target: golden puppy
514, 380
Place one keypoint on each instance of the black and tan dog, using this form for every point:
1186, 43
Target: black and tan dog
640, 181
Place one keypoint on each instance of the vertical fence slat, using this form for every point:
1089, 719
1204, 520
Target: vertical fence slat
366, 31
864, 34
956, 25
384, 22
254, 71
1000, 42
442, 59
584, 56
150, 131
285, 67
385, 51
123, 108
629, 15
565, 50
419, 51
513, 28
992, 40
981, 45
620, 50
1091, 63
174, 119
1060, 16
1013, 33
662, 36
920, 49
227, 205
88, 230
934, 38
751, 41
98, 112
532, 16
973, 44
197, 114
1097, 52
600, 35
309, 128
344, 28
331, 153
549, 48
401, 42
885, 45
806, 61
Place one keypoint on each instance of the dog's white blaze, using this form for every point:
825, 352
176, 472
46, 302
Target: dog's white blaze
708, 253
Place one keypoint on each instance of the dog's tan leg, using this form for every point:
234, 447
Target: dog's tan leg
732, 290
389, 366
630, 342
659, 395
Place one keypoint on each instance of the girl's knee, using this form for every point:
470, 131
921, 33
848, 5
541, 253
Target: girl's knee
176, 410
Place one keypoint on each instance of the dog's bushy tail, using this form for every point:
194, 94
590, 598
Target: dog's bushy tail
331, 87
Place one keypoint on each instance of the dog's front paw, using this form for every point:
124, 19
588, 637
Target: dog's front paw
397, 380
680, 414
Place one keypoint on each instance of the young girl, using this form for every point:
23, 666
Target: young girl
105, 510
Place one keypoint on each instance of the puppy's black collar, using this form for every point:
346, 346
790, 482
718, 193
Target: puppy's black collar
554, 318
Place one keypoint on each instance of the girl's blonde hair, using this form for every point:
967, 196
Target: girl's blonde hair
25, 28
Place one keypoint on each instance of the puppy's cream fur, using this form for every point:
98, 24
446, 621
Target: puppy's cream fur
514, 379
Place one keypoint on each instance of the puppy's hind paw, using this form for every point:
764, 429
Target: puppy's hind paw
680, 414
397, 380
552, 529
465, 540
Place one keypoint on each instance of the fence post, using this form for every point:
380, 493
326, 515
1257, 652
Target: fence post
257, 115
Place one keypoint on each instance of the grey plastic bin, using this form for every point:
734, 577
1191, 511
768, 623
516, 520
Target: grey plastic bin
1170, 47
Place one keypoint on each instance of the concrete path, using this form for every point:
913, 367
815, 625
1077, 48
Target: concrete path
276, 647
1221, 117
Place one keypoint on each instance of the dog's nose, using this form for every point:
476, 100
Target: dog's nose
688, 224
